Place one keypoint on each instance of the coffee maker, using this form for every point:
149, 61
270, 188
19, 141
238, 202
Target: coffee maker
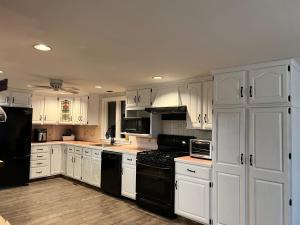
40, 135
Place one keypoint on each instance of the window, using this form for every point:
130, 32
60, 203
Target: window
113, 114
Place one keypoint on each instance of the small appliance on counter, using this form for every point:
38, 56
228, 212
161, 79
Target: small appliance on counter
201, 149
40, 135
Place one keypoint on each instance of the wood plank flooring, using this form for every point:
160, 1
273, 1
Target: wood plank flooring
62, 202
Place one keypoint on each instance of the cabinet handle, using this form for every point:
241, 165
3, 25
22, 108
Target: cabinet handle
129, 159
78, 118
52, 151
242, 159
176, 184
251, 160
251, 91
39, 156
139, 98
242, 92
7, 100
13, 100
39, 172
192, 171
39, 163
199, 118
45, 118
41, 117
205, 118
134, 99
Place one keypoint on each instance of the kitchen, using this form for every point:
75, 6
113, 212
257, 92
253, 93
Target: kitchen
217, 148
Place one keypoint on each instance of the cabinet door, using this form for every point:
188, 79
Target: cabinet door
77, 111
207, 104
131, 98
229, 167
96, 172
229, 88
192, 199
269, 166
77, 166
129, 181
4, 98
66, 110
144, 97
20, 99
64, 157
37, 109
269, 85
55, 159
50, 110
70, 165
84, 102
195, 105
87, 169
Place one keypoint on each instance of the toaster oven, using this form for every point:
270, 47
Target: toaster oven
201, 149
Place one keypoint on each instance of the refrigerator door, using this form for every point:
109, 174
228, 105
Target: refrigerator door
15, 146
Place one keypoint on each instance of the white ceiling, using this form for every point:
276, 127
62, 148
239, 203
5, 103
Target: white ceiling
121, 43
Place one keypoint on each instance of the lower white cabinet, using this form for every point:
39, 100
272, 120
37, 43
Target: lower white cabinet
55, 159
129, 176
40, 162
70, 165
86, 169
64, 156
77, 166
96, 172
192, 192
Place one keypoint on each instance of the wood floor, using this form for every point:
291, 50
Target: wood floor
62, 202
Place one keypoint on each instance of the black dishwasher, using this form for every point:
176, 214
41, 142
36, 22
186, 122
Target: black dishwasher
111, 172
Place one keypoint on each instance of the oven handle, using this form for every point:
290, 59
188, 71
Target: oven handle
156, 167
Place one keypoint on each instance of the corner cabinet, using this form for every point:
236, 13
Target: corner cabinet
199, 104
140, 98
192, 192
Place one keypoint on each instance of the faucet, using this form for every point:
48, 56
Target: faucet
108, 135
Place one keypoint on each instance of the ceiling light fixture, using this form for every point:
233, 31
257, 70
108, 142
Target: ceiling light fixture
157, 78
1, 71
42, 47
98, 87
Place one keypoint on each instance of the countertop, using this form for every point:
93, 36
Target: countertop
122, 148
194, 161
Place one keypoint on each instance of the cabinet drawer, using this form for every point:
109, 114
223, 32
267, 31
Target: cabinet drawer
78, 150
96, 153
193, 171
38, 149
39, 172
129, 159
39, 163
71, 149
87, 152
38, 156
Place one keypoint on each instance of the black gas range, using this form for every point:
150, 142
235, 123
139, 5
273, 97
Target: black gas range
155, 178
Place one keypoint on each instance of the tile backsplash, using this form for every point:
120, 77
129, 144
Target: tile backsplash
54, 132
178, 127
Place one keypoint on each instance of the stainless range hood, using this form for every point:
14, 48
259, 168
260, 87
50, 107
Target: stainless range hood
167, 101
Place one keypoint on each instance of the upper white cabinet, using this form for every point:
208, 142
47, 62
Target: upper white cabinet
140, 98
15, 99
269, 85
199, 104
65, 110
229, 88
51, 115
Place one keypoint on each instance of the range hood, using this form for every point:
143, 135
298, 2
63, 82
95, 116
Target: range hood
167, 101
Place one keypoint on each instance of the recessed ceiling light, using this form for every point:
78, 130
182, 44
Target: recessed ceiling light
42, 47
98, 87
157, 78
1, 71
29, 86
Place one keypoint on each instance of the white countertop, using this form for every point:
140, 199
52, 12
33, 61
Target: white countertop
194, 161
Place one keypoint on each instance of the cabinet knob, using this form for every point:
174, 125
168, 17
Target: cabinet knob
205, 118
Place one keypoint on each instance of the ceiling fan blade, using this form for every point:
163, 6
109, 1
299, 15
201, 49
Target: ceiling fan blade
72, 88
41, 86
70, 91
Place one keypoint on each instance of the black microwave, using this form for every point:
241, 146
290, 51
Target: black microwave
137, 125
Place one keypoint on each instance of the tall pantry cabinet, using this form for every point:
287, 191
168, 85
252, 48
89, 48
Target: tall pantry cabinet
256, 141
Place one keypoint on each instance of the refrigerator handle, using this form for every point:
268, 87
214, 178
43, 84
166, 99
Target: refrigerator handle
3, 116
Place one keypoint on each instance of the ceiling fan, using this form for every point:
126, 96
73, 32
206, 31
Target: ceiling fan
57, 85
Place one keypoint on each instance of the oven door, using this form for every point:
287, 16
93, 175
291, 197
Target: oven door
155, 188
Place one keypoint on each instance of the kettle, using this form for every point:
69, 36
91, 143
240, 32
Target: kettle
40, 135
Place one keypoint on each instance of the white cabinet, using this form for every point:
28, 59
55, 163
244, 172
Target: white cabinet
70, 165
38, 104
129, 176
269, 85
86, 169
96, 171
229, 167
192, 192
80, 112
195, 105
269, 170
138, 98
55, 159
229, 88
20, 99
4, 98
50, 110
65, 110
64, 155
77, 166
199, 104
39, 161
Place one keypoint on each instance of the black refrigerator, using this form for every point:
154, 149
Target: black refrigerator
15, 146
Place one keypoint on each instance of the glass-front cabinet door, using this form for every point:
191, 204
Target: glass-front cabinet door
65, 110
